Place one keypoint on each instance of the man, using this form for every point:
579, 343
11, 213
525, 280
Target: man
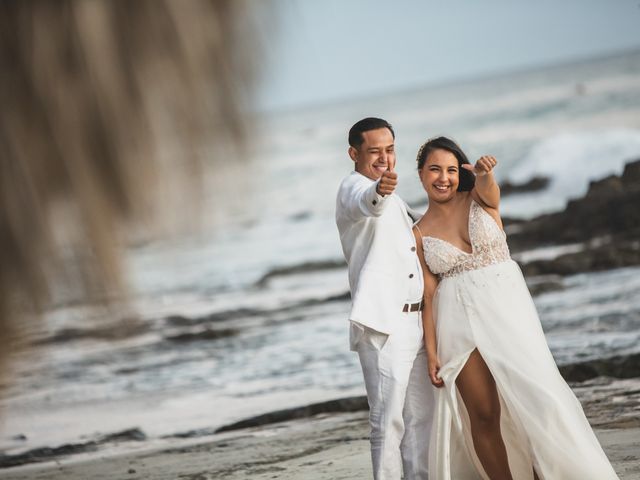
386, 290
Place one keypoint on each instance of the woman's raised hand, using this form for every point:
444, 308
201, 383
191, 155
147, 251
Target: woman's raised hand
483, 166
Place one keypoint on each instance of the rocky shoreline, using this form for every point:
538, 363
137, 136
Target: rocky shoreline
606, 221
609, 209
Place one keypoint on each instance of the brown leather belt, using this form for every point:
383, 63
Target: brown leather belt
412, 307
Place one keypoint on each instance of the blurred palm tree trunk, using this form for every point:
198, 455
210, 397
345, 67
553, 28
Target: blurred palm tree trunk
102, 102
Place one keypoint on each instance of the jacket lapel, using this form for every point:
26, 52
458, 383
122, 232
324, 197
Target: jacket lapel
411, 216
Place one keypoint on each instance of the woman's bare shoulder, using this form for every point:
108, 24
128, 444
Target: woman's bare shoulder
493, 212
424, 222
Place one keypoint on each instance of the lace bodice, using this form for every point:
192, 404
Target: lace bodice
488, 242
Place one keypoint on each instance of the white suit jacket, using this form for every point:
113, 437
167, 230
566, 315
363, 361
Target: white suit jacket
380, 249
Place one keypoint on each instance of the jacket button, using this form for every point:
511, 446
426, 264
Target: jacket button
411, 275
375, 202
413, 249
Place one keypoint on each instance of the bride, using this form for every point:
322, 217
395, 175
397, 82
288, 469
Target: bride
502, 411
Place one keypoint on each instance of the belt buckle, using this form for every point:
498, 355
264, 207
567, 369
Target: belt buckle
412, 307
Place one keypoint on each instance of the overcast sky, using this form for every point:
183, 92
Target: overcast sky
327, 50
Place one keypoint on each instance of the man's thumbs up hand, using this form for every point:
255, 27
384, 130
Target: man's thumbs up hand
388, 182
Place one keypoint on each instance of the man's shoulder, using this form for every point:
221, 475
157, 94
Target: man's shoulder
352, 183
354, 178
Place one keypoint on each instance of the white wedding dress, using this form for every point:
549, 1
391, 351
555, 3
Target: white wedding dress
482, 302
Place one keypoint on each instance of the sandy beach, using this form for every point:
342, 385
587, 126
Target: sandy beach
322, 447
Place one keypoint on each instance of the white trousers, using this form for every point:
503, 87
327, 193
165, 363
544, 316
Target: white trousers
400, 395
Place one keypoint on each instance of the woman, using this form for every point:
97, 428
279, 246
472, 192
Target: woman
503, 411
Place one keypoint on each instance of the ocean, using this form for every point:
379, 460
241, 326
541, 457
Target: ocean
250, 316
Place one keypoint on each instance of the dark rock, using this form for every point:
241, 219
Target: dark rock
608, 211
301, 268
49, 453
543, 284
179, 320
605, 257
125, 329
298, 306
207, 334
132, 434
349, 404
509, 221
610, 186
127, 370
631, 175
199, 432
341, 297
533, 185
20, 437
298, 217
622, 366
131, 470
46, 453
606, 220
182, 321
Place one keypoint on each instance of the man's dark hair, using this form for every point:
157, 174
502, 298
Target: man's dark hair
364, 125
467, 179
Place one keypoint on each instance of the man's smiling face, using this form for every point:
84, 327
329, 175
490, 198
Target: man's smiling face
376, 154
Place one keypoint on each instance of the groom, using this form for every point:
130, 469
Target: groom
386, 291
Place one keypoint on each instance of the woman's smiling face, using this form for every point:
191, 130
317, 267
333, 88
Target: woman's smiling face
440, 175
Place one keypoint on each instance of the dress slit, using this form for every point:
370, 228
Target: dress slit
510, 426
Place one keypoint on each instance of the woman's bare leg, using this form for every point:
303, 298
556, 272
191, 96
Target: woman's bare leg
478, 390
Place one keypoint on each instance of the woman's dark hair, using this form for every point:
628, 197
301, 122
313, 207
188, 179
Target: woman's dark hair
364, 125
467, 179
